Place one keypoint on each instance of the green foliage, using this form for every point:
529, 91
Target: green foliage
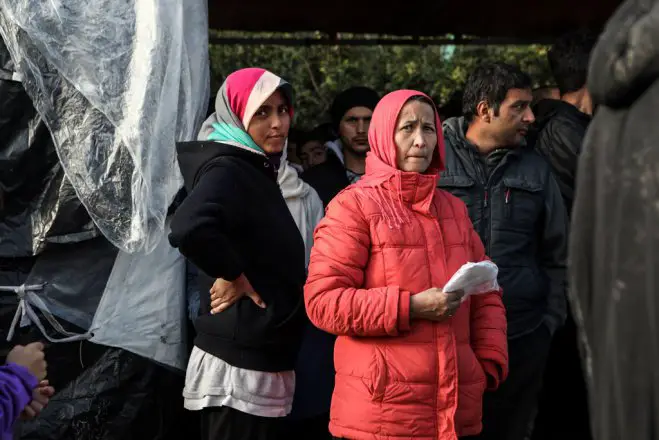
319, 72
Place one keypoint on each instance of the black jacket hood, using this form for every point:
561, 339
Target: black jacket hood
195, 157
546, 109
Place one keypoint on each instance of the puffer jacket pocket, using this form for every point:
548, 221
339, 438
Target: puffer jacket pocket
471, 387
378, 375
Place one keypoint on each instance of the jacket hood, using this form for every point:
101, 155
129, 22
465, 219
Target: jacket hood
455, 128
547, 109
394, 187
336, 147
382, 156
625, 61
194, 157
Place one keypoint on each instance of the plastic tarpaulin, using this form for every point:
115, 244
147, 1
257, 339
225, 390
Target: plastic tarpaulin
117, 83
151, 322
614, 248
37, 203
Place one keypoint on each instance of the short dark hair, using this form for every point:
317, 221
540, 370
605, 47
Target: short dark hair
568, 60
490, 83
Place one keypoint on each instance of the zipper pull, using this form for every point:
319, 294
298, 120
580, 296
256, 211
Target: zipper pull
507, 195
486, 198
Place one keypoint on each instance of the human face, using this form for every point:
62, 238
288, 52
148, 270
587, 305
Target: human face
353, 130
511, 125
269, 125
312, 153
415, 137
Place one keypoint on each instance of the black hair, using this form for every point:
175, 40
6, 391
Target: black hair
568, 60
491, 83
321, 134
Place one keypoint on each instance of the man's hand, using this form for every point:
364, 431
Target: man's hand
225, 293
31, 357
40, 398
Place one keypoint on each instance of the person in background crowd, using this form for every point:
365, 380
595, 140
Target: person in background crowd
560, 127
546, 92
295, 137
234, 225
561, 124
516, 207
351, 115
614, 243
412, 361
312, 150
23, 391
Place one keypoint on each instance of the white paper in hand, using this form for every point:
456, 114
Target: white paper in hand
474, 279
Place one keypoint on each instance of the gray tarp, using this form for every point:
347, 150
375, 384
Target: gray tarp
115, 85
614, 246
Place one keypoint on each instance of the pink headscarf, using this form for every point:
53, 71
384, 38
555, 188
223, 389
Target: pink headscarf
241, 95
381, 163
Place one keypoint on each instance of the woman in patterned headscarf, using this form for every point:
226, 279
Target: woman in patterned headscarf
236, 227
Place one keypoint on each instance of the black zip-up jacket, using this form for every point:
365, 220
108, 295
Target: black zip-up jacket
517, 209
557, 135
235, 221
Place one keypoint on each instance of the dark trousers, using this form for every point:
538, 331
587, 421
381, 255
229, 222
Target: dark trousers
564, 394
224, 423
507, 412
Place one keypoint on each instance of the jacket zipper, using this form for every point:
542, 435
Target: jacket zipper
488, 209
436, 332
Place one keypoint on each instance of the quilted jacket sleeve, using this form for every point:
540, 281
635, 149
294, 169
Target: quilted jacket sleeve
335, 299
488, 324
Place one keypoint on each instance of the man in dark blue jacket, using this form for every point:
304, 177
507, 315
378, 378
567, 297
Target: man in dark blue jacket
517, 209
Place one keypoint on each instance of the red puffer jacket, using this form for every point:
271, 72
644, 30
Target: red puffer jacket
397, 379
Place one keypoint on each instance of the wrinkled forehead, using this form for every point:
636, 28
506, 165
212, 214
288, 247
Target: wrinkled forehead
415, 110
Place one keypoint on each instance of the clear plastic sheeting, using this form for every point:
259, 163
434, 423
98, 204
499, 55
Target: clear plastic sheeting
143, 307
117, 83
37, 203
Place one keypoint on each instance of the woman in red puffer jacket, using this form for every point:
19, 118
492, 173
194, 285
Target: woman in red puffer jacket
411, 361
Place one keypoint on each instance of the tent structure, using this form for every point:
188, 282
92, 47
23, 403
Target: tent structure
501, 20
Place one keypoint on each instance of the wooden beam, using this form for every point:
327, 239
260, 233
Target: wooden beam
412, 41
